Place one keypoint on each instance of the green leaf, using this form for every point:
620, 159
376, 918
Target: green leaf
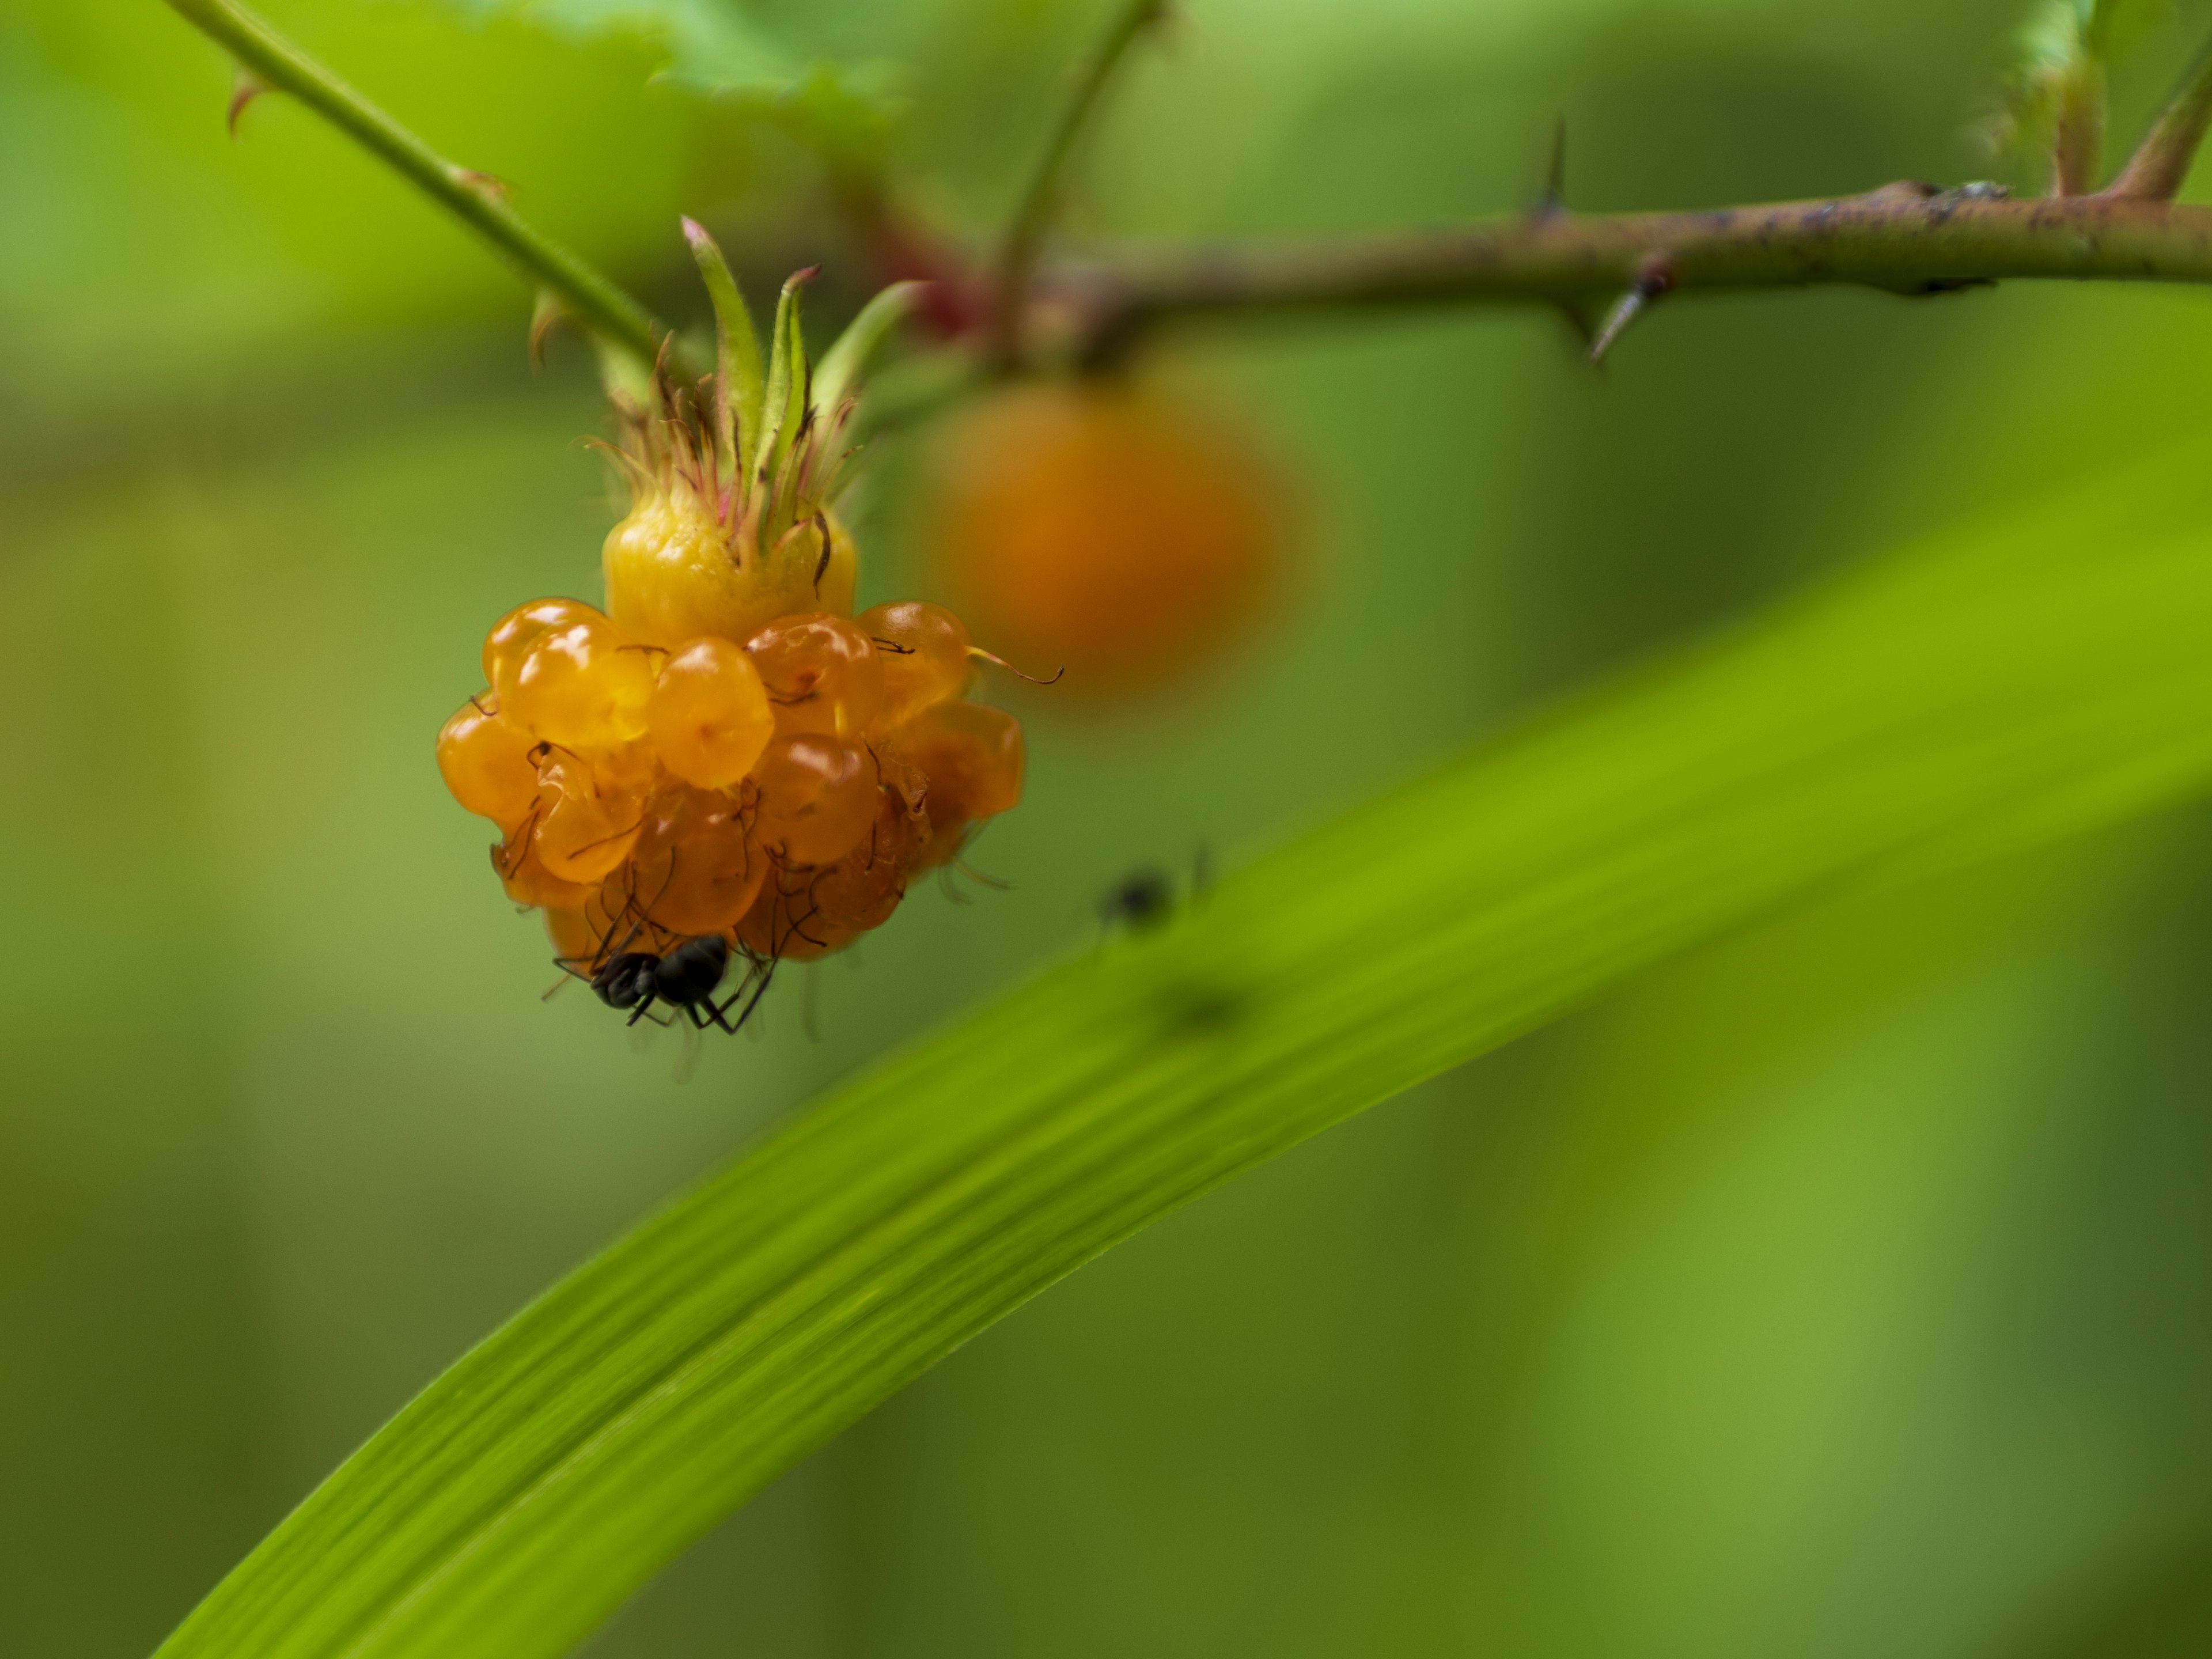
2012, 682
738, 387
2115, 27
722, 49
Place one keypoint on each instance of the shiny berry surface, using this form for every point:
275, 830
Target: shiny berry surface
818, 796
513, 635
822, 674
587, 825
709, 716
487, 763
696, 868
923, 651
583, 686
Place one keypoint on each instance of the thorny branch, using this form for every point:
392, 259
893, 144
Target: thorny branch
1907, 238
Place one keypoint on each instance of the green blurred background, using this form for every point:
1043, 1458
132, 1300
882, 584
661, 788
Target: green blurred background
1846, 1290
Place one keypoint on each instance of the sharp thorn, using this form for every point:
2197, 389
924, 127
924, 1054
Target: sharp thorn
1630, 307
545, 316
1653, 280
1554, 199
245, 87
491, 187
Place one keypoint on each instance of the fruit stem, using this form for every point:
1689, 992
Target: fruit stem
271, 61
1033, 217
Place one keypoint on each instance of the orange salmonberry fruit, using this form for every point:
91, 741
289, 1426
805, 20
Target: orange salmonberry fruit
1093, 526
725, 755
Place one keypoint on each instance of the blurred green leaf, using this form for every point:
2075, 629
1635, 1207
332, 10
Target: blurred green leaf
721, 50
2114, 27
2016, 680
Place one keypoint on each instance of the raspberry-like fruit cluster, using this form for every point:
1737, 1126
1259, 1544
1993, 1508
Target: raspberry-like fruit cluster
781, 792
725, 762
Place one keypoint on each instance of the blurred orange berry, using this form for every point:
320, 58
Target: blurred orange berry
1095, 527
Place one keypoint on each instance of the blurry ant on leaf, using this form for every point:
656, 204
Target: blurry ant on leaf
1145, 897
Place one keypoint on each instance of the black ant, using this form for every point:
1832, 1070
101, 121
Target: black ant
1140, 899
687, 977
1145, 897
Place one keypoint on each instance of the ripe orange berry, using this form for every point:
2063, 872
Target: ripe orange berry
487, 764
972, 759
723, 756
513, 634
923, 651
1093, 527
588, 823
822, 673
818, 796
709, 714
696, 868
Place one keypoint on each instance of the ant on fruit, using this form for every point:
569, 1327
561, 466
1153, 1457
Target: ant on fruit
686, 977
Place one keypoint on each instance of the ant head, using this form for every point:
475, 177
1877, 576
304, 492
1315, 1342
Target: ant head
626, 980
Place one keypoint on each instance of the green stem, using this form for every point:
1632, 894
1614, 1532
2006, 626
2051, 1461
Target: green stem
592, 298
1033, 217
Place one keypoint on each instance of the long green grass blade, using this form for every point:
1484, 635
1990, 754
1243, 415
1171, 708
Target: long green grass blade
2018, 680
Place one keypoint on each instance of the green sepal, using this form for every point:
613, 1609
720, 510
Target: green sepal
784, 402
736, 349
841, 364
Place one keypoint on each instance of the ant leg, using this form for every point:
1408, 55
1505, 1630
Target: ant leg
758, 992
